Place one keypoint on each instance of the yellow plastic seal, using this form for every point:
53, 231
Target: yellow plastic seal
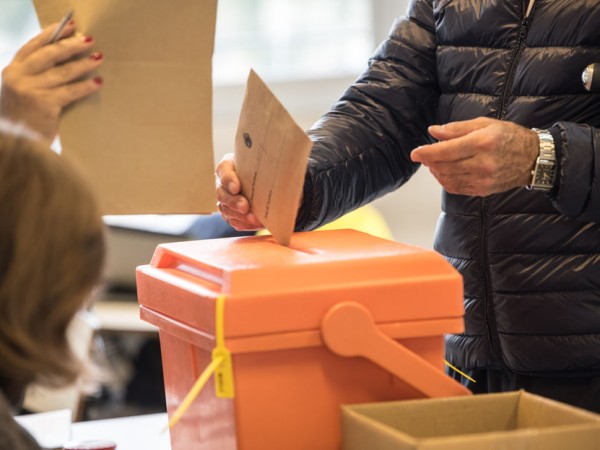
459, 371
220, 365
224, 387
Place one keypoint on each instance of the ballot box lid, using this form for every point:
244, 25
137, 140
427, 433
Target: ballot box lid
271, 288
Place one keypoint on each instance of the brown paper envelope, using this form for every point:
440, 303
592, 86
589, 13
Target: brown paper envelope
271, 152
145, 139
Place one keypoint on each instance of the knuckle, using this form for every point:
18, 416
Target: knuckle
10, 76
487, 167
451, 189
6, 73
488, 140
488, 184
76, 90
64, 72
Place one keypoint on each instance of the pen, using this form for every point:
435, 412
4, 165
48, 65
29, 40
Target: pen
63, 23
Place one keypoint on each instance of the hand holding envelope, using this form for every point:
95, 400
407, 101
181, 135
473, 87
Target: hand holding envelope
271, 152
261, 185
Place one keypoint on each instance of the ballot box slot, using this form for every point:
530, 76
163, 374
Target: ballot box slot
293, 248
208, 277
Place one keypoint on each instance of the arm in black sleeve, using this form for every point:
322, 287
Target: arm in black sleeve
577, 193
361, 147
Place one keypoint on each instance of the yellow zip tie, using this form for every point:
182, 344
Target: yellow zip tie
193, 393
459, 371
220, 365
224, 374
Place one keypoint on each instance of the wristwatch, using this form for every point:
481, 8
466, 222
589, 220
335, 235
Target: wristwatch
544, 172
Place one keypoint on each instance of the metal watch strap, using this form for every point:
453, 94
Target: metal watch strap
546, 158
547, 150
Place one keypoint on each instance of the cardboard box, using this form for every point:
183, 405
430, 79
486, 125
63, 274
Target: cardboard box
508, 421
337, 317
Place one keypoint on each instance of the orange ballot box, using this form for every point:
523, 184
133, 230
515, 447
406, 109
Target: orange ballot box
338, 317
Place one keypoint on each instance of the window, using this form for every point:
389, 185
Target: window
18, 24
292, 39
281, 39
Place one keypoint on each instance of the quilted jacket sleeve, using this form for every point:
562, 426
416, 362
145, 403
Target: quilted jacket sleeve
361, 147
578, 190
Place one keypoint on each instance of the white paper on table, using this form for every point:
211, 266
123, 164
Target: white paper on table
51, 429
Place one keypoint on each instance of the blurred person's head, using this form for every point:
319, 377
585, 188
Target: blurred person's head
51, 254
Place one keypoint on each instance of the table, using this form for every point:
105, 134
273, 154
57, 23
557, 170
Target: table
130, 433
121, 316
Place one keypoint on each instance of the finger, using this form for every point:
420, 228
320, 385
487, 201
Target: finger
460, 185
42, 39
71, 92
469, 179
53, 54
232, 212
227, 175
247, 221
237, 203
446, 151
244, 226
464, 168
454, 130
74, 70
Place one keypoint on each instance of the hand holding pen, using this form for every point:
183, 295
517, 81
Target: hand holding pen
51, 71
56, 34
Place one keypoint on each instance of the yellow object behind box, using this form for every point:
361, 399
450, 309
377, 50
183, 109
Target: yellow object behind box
367, 219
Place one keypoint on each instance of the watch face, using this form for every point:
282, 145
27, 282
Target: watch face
544, 174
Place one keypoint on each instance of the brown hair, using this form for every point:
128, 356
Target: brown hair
51, 254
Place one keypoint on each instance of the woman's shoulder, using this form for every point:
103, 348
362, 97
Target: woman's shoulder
12, 435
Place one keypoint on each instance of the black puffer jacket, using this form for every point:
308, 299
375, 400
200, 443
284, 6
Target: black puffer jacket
530, 261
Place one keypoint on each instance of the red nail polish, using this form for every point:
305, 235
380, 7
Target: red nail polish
87, 39
96, 56
71, 22
98, 80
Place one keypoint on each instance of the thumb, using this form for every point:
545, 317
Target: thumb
454, 130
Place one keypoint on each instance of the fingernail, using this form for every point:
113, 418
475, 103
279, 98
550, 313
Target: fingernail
96, 56
71, 22
231, 186
87, 39
98, 80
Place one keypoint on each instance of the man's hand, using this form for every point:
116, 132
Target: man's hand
44, 78
233, 206
480, 157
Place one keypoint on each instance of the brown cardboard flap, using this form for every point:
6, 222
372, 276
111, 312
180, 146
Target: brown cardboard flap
145, 139
540, 412
446, 417
513, 420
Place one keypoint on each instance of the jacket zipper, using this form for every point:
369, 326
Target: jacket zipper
513, 65
490, 316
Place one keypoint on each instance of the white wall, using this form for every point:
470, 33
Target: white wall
411, 211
